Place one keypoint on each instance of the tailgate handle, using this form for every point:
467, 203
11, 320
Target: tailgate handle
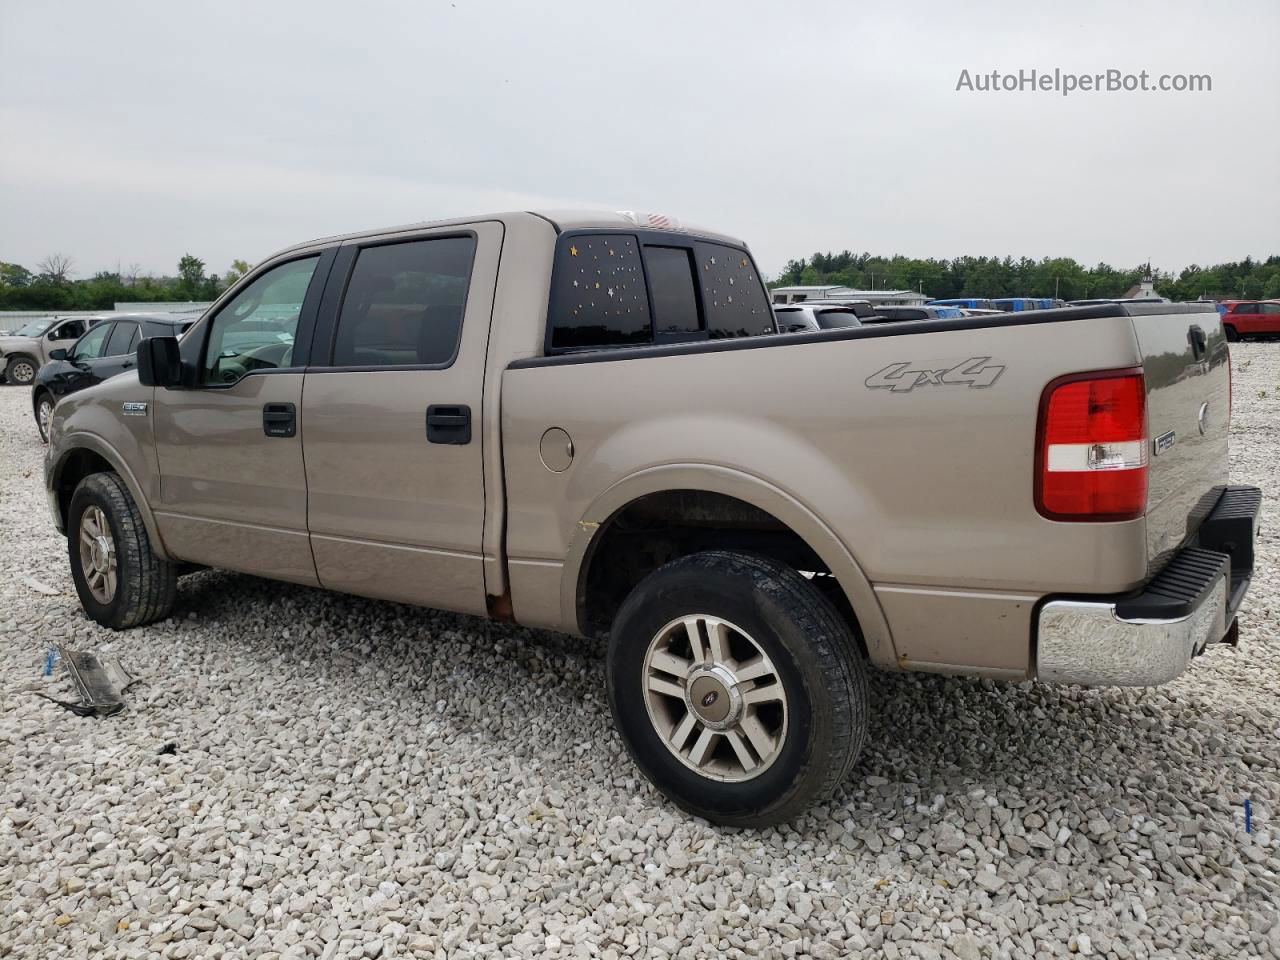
449, 423
1199, 340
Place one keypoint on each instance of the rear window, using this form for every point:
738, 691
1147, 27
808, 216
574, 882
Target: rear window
695, 290
732, 294
675, 302
598, 297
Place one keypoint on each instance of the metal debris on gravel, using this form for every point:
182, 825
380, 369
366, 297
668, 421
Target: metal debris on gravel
302, 774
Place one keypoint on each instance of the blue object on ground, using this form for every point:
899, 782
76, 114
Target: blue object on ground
1248, 816
50, 659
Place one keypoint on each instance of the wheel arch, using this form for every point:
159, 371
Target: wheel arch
86, 454
792, 517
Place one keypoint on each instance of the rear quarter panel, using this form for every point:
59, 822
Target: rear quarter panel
928, 488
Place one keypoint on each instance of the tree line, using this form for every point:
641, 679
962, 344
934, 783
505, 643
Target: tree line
1023, 277
51, 285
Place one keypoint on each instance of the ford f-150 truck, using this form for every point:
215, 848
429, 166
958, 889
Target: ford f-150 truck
590, 423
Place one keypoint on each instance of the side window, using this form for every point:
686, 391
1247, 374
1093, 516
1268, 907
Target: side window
1246, 308
255, 330
674, 301
68, 331
597, 294
733, 295
404, 304
1269, 308
90, 345
122, 334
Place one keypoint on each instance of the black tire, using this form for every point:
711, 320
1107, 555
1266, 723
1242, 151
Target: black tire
818, 664
1232, 336
42, 398
21, 369
146, 586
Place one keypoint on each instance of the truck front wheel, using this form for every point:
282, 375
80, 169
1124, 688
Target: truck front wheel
20, 370
737, 688
120, 580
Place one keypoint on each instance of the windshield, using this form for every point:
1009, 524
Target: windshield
35, 327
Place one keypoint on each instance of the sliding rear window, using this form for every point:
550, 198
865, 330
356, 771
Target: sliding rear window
631, 289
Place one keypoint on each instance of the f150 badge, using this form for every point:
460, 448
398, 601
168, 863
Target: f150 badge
976, 372
133, 408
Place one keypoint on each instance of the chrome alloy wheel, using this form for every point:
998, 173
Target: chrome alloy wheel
45, 415
97, 554
715, 698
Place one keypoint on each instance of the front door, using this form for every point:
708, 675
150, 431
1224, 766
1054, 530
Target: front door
393, 418
233, 491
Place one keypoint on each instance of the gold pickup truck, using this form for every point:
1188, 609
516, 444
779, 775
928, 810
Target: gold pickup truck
589, 423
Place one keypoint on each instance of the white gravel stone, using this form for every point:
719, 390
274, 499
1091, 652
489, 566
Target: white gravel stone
360, 779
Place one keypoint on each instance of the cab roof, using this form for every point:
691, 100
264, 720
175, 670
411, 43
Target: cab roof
561, 220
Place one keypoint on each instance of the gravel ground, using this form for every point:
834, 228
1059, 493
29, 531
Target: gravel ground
303, 774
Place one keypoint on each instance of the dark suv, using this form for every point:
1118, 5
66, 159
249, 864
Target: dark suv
104, 351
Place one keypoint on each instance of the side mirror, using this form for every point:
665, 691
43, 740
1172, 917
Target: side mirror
59, 354
159, 362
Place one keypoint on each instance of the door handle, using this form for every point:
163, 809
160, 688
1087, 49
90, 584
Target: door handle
279, 420
449, 423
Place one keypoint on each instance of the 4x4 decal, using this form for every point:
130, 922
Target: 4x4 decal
903, 377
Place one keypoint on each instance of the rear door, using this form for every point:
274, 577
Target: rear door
392, 417
1185, 360
232, 486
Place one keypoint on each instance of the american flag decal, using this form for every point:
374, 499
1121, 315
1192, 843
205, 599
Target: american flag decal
654, 221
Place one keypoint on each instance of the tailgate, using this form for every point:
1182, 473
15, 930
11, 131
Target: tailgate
1184, 355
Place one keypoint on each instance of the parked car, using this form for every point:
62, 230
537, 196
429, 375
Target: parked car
1015, 304
862, 309
1251, 318
23, 353
811, 317
976, 303
887, 314
570, 421
107, 349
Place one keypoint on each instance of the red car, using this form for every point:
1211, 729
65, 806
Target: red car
1250, 318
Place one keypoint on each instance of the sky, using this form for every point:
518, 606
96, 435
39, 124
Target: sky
132, 133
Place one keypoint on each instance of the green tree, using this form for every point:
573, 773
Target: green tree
15, 275
238, 269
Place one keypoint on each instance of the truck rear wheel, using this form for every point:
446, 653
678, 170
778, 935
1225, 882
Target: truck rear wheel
1230, 331
737, 688
120, 580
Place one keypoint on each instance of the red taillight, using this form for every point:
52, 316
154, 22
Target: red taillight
1091, 449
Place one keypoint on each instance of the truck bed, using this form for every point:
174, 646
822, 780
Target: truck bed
913, 443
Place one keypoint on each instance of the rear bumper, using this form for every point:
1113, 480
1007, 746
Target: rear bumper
1149, 637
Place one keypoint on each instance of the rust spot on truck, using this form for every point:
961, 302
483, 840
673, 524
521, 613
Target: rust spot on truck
499, 607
